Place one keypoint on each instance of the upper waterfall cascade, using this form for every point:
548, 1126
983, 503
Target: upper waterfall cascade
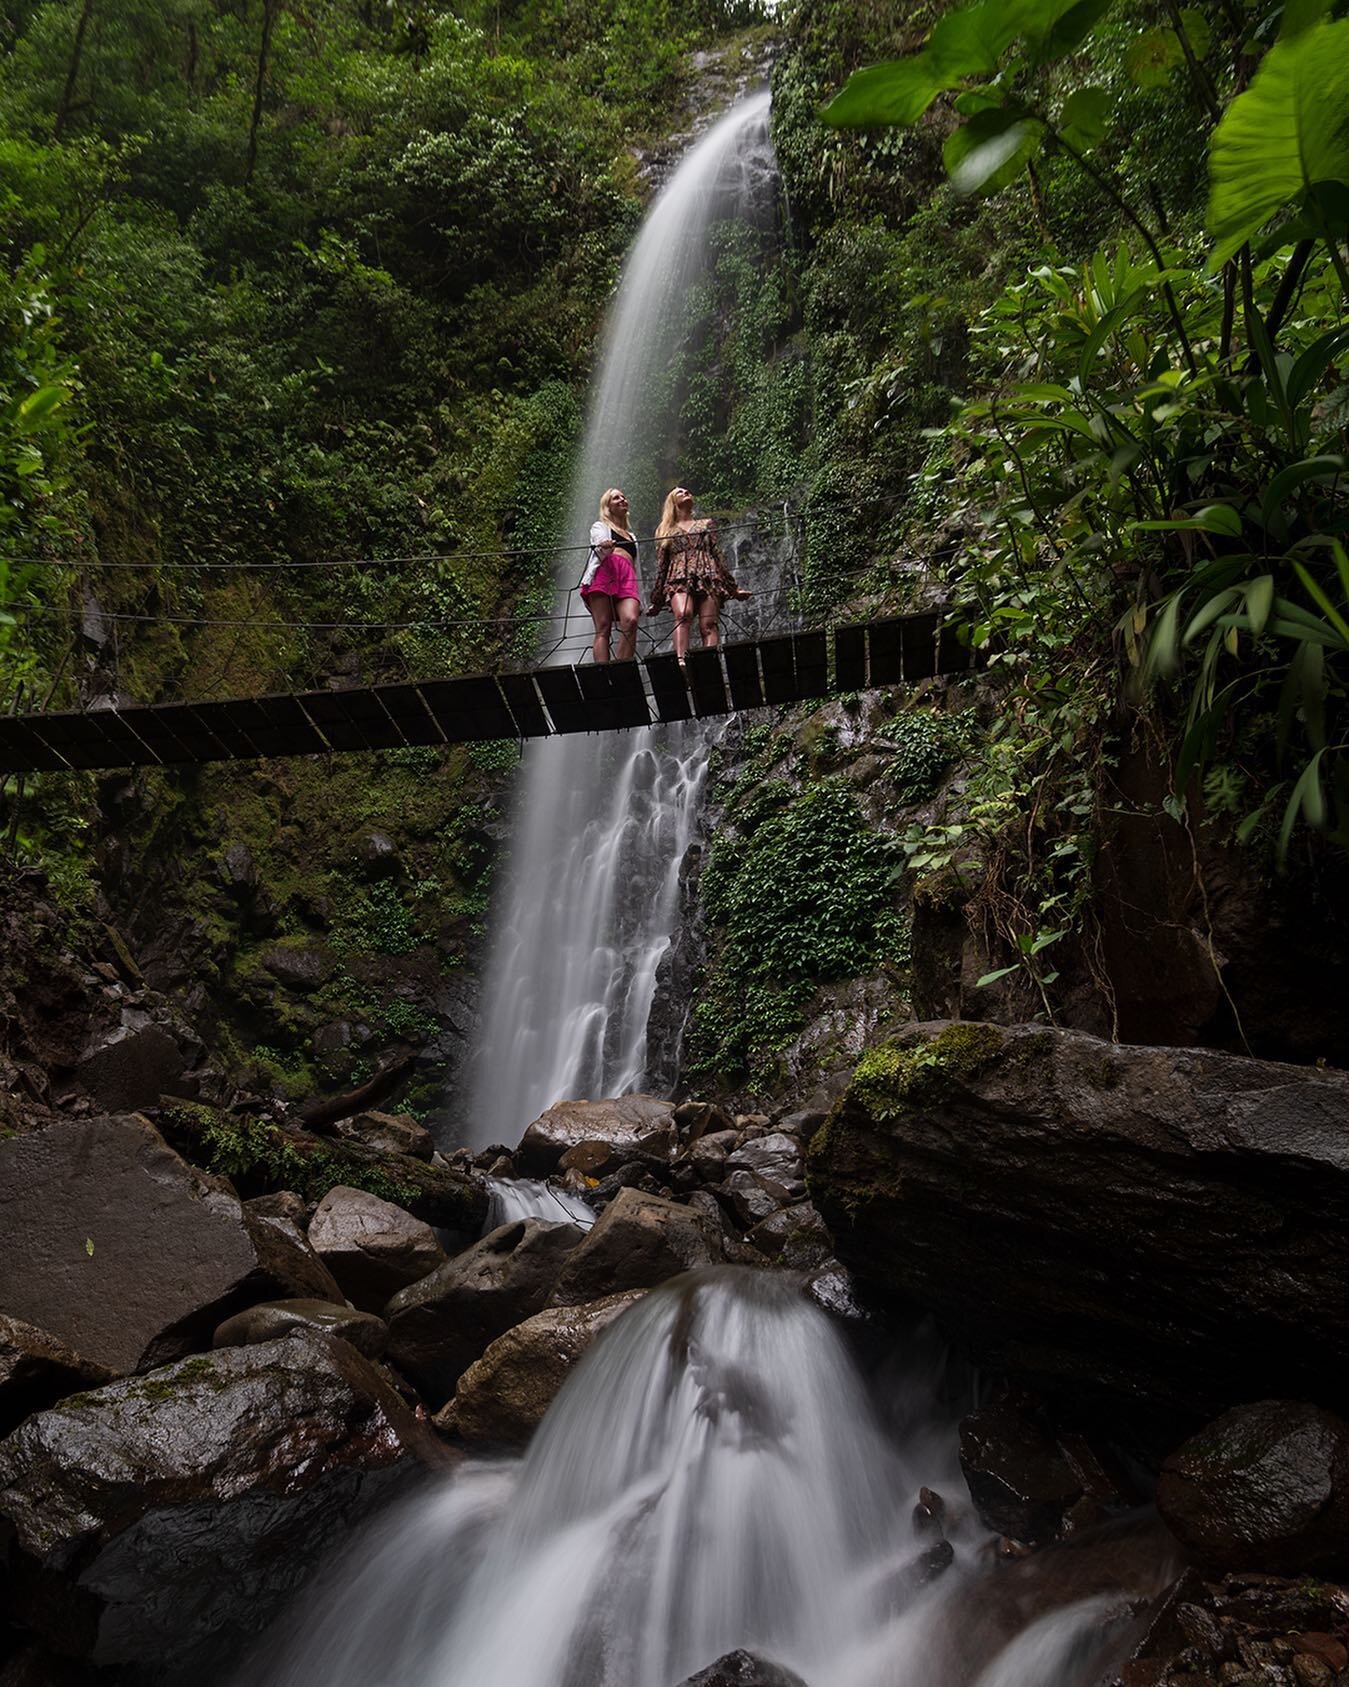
591, 886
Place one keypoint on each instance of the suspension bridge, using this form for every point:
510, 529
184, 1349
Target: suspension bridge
752, 673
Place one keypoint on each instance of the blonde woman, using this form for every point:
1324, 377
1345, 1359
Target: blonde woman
609, 587
691, 575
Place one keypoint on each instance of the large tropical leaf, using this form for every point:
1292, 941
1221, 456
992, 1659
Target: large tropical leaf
1288, 132
964, 44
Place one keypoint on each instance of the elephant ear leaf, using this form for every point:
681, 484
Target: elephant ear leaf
1286, 135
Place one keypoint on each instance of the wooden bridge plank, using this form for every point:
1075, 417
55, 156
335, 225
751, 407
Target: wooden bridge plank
563, 698
407, 709
187, 725
918, 637
707, 684
779, 669
332, 715
522, 696
668, 687
614, 693
811, 651
24, 750
239, 724
850, 658
742, 670
124, 747
76, 738
885, 652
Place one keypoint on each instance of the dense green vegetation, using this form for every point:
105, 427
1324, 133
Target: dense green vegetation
1057, 331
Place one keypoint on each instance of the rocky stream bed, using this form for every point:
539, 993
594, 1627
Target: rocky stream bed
207, 1381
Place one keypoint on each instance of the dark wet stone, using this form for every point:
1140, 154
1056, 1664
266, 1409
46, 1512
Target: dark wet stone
1076, 1246
37, 1370
1020, 1484
639, 1240
1263, 1487
112, 1243
158, 1522
372, 1247
441, 1324
794, 1236
744, 1669
272, 1318
637, 1127
387, 1133
501, 1398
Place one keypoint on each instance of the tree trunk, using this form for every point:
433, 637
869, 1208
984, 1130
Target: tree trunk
76, 53
269, 11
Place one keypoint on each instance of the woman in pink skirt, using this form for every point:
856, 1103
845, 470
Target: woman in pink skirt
609, 586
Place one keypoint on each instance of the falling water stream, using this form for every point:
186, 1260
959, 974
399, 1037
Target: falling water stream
713, 1475
602, 824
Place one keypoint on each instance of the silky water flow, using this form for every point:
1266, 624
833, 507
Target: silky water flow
713, 1475
590, 886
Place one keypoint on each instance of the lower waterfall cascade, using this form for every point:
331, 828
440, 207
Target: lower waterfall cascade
714, 1475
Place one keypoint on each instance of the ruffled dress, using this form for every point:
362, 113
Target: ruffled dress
690, 560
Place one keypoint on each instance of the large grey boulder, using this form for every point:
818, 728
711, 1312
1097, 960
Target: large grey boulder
37, 1370
130, 1064
638, 1241
635, 1127
120, 1249
158, 1522
372, 1247
502, 1398
1157, 1222
1264, 1487
1020, 1483
440, 1325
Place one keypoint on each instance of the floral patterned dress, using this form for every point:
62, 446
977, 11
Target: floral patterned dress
690, 560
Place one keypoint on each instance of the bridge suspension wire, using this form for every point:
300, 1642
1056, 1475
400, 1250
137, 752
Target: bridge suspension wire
277, 624
779, 521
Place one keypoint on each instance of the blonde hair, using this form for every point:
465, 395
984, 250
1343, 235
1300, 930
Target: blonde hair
668, 516
607, 513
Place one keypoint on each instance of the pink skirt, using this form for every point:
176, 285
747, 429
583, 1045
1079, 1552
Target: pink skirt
615, 576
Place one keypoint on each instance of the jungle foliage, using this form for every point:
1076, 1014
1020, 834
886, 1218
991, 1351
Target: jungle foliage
1098, 327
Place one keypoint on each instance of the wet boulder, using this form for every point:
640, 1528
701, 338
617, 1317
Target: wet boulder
37, 1370
744, 1669
272, 1318
441, 1324
636, 1127
501, 1399
708, 1155
125, 1252
1020, 1483
697, 1119
387, 1133
749, 1198
158, 1522
776, 1156
132, 1064
638, 1241
372, 1247
1263, 1487
1157, 1223
794, 1237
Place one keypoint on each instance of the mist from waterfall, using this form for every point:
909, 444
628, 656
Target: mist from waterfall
713, 1475
589, 893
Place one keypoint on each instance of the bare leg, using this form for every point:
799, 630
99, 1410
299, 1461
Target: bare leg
601, 607
709, 612
681, 607
627, 609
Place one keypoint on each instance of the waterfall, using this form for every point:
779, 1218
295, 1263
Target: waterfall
589, 892
712, 1475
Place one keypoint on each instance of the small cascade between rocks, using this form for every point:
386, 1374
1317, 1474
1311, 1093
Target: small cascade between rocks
590, 891
511, 1199
712, 1476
